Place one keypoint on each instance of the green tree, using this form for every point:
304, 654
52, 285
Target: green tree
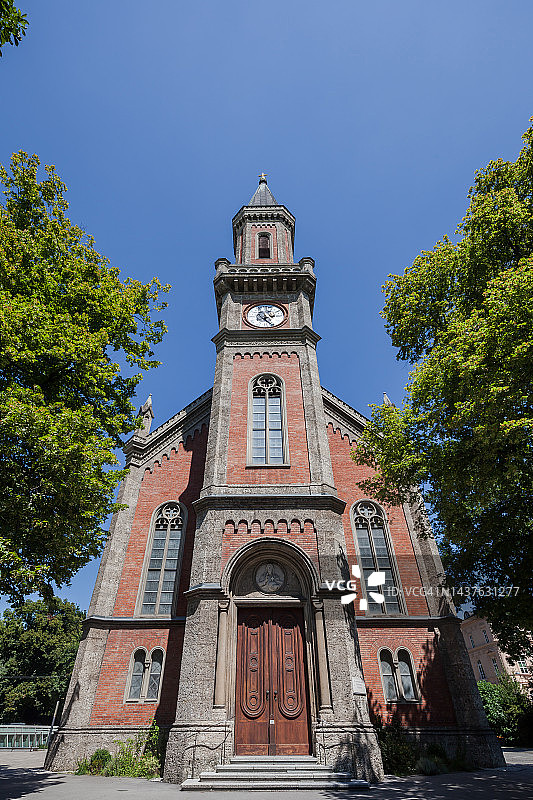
505, 705
462, 314
13, 24
38, 645
65, 402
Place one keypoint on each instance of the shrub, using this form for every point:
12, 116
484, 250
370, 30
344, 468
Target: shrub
398, 753
131, 761
83, 767
98, 761
135, 758
428, 766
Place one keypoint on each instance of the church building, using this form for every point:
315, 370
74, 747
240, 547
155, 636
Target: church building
221, 606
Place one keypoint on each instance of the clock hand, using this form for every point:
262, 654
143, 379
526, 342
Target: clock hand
263, 315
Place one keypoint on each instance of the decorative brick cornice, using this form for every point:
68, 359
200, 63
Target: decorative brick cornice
282, 337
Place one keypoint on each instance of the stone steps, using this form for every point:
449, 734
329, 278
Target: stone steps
273, 772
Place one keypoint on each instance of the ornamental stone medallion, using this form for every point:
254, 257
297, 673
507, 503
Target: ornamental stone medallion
269, 578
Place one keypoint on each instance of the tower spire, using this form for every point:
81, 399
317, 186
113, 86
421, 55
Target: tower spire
263, 196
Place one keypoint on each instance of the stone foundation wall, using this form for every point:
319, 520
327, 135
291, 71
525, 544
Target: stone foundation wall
193, 749
69, 745
480, 748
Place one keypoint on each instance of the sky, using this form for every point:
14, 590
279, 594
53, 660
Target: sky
369, 118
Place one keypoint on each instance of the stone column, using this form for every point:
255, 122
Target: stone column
220, 674
322, 657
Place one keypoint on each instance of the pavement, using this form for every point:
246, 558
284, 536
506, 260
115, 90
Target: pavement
22, 774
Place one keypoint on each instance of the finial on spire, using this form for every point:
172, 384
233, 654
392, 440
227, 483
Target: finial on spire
262, 178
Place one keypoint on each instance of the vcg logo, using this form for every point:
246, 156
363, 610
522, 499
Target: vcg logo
373, 580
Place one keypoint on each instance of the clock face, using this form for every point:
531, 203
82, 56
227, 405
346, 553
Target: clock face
265, 315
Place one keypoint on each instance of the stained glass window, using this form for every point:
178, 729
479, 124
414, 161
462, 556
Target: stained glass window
163, 566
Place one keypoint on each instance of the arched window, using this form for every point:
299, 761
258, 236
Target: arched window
145, 676
164, 563
137, 675
375, 554
264, 245
406, 675
267, 440
387, 675
397, 675
154, 677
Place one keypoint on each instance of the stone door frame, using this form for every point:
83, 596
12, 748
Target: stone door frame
243, 562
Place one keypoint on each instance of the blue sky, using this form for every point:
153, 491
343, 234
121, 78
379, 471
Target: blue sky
370, 119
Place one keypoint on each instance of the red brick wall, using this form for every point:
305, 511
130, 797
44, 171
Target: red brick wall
435, 706
179, 477
110, 707
288, 368
253, 230
347, 474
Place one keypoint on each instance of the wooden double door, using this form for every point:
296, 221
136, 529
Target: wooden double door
272, 707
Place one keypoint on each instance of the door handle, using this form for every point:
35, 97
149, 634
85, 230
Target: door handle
275, 693
267, 694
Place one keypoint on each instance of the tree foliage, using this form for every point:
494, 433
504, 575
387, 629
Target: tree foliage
66, 319
38, 645
462, 315
13, 24
506, 706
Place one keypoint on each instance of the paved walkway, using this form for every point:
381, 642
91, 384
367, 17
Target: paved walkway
22, 774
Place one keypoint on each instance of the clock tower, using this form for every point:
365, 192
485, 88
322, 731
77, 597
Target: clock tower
269, 529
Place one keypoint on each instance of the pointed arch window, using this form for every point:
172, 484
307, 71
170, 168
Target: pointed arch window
163, 569
263, 242
267, 429
376, 555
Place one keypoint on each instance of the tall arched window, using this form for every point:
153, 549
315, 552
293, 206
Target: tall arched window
154, 676
264, 245
164, 563
387, 675
145, 675
406, 676
267, 441
375, 554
